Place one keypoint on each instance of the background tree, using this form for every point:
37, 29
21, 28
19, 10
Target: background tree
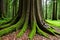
58, 9
1, 9
46, 10
54, 14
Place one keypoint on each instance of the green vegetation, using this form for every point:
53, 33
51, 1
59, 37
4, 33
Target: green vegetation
39, 31
23, 14
54, 22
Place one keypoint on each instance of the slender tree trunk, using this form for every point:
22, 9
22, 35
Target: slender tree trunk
59, 11
43, 9
6, 5
1, 9
46, 10
54, 14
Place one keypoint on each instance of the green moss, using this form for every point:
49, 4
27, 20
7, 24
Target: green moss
13, 27
33, 31
2, 21
55, 23
9, 24
24, 27
39, 31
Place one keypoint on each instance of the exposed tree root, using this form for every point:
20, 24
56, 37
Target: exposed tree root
38, 25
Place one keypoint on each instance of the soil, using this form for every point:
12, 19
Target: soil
12, 36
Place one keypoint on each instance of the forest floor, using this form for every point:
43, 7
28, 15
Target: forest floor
54, 22
12, 36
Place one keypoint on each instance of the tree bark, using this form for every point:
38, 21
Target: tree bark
1, 9
54, 14
46, 10
34, 9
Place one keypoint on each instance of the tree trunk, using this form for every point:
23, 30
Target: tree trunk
54, 14
46, 10
1, 9
59, 10
32, 9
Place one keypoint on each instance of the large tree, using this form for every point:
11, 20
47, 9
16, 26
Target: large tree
29, 13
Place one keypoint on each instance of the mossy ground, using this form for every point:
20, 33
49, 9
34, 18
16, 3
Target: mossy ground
12, 36
54, 23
